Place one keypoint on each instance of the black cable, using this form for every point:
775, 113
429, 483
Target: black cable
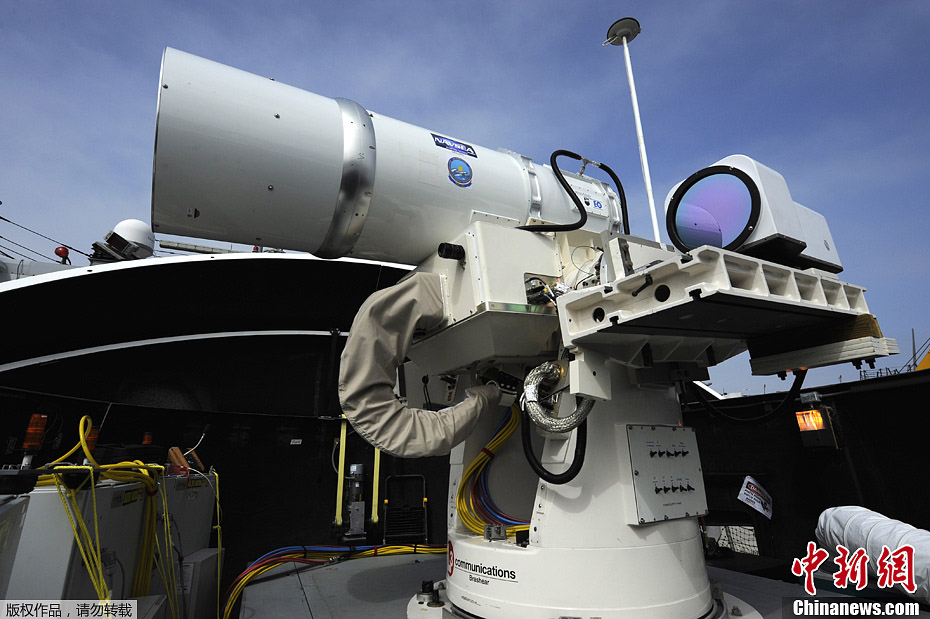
122, 572
27, 248
177, 529
583, 217
590, 276
426, 400
15, 252
918, 354
58, 422
43, 236
789, 398
624, 213
583, 214
581, 443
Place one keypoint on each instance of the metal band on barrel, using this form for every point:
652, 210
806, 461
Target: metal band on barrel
358, 180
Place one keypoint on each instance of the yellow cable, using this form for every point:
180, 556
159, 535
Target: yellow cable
168, 546
140, 585
93, 497
79, 444
237, 591
219, 541
163, 559
322, 556
463, 498
150, 477
147, 476
172, 602
376, 480
341, 472
82, 433
74, 530
92, 562
82, 536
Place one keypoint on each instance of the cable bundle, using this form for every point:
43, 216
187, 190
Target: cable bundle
473, 500
88, 547
314, 556
150, 476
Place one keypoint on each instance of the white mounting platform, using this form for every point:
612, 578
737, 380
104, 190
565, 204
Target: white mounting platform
703, 307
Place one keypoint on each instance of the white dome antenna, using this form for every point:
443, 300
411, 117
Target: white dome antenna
130, 239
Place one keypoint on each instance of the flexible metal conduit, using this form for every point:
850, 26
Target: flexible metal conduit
551, 372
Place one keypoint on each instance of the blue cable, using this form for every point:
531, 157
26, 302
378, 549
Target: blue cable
305, 549
484, 496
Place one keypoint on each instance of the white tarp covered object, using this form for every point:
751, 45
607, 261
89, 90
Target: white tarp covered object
377, 345
857, 527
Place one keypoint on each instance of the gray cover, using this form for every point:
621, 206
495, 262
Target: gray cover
857, 527
377, 344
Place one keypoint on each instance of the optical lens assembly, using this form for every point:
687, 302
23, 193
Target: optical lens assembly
717, 206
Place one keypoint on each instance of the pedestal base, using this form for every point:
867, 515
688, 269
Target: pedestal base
730, 607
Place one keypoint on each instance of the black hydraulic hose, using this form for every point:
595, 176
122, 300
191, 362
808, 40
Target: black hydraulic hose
581, 442
583, 217
789, 399
624, 213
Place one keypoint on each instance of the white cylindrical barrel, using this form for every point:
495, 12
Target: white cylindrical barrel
857, 527
246, 159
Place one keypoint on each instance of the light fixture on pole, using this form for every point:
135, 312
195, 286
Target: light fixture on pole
621, 32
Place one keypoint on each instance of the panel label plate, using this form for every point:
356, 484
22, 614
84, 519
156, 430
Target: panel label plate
667, 478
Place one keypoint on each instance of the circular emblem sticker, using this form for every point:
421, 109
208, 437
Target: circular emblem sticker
460, 172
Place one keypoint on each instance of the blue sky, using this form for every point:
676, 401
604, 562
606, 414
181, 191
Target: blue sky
832, 94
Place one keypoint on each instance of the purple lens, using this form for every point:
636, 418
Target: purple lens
714, 211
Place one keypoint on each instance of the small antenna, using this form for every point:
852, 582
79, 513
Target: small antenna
621, 32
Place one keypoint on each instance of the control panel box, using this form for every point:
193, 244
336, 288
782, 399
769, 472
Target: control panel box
49, 565
667, 478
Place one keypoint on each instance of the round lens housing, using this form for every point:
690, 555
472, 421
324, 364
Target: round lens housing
717, 206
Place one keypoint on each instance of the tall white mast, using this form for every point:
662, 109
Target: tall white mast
621, 32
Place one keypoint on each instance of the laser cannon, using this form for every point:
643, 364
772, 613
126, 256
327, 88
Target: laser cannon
534, 300
247, 159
